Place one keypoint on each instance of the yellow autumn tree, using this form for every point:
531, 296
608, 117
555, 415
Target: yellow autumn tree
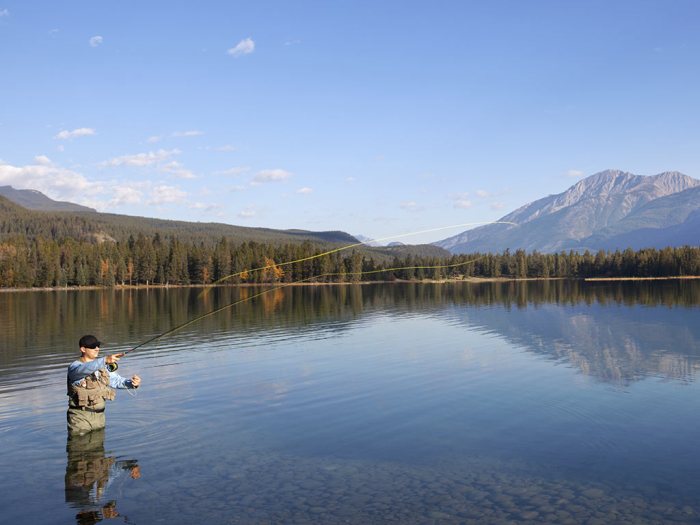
271, 272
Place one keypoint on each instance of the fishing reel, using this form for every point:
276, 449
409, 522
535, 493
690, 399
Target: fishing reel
112, 367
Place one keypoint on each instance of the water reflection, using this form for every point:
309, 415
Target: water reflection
609, 343
617, 331
92, 475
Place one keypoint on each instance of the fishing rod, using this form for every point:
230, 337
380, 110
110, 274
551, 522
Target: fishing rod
114, 366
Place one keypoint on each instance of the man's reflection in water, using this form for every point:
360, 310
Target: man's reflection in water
89, 474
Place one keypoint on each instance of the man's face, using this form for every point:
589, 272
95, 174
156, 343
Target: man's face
90, 353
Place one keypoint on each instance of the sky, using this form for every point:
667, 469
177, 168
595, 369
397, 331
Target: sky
378, 118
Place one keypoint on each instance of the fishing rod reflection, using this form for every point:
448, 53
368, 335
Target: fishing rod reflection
93, 478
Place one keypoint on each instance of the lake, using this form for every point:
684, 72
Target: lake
526, 402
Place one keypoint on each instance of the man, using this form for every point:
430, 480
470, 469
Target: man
91, 384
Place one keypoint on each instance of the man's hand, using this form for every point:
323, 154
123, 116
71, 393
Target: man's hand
135, 381
113, 358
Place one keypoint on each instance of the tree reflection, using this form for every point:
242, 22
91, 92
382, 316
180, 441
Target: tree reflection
623, 351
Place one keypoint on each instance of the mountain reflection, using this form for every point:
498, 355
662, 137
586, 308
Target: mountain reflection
613, 344
617, 332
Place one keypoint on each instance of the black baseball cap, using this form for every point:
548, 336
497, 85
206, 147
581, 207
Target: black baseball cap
89, 341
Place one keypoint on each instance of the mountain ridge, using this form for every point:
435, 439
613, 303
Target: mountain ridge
579, 217
35, 200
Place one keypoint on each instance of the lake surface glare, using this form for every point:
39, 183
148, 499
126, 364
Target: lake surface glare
530, 402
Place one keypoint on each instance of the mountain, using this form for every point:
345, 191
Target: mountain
609, 210
367, 241
399, 249
35, 200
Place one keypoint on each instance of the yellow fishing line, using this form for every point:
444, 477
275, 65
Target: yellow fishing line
343, 248
285, 285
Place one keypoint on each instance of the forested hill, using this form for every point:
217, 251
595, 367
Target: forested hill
83, 225
100, 227
7, 206
48, 248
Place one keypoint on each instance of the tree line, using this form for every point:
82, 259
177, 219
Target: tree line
40, 261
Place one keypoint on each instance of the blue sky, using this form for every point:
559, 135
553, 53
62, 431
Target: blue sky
372, 117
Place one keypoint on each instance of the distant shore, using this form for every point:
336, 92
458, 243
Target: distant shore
396, 281
675, 278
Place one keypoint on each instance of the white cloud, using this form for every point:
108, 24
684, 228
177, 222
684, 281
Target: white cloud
142, 159
482, 194
576, 174
60, 148
224, 148
275, 175
190, 133
56, 182
4, 12
350, 179
65, 184
166, 195
79, 132
410, 206
462, 203
497, 205
235, 171
244, 47
236, 189
305, 190
200, 206
461, 200
178, 170
292, 42
247, 213
153, 139
96, 41
122, 195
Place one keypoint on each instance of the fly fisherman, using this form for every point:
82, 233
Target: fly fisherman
90, 384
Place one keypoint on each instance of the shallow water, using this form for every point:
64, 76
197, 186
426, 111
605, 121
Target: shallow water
555, 402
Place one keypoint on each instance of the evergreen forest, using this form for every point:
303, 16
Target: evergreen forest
39, 249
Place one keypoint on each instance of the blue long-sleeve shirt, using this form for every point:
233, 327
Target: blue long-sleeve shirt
77, 371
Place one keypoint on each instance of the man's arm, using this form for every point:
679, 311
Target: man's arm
117, 381
78, 370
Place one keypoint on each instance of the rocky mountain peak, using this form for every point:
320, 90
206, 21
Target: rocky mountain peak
600, 204
673, 182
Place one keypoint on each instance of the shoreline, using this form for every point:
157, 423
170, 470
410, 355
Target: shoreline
674, 278
473, 280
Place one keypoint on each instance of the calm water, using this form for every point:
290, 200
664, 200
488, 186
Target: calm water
553, 402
